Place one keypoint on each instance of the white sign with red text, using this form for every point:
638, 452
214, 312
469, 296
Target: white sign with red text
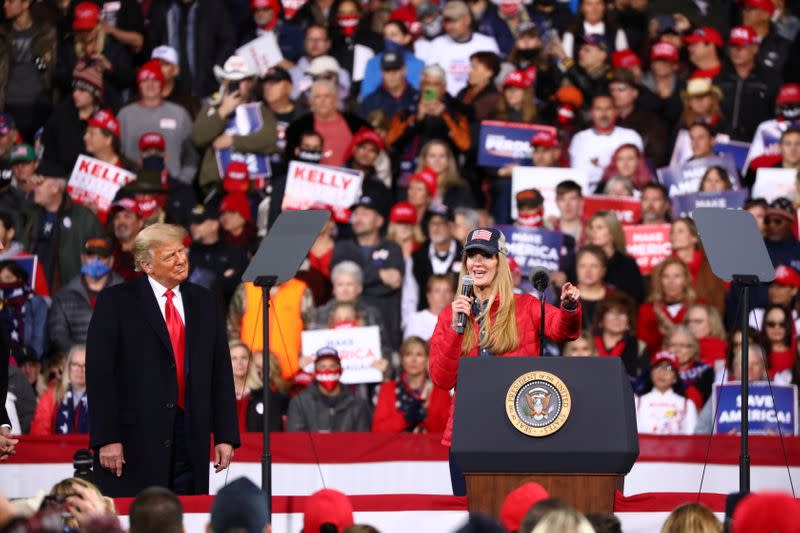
261, 53
95, 181
308, 184
649, 244
358, 348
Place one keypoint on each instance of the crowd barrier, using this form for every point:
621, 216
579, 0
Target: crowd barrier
400, 482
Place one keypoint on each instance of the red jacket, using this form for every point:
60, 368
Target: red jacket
647, 325
560, 326
44, 418
389, 419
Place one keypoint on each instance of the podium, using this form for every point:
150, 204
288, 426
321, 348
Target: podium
567, 423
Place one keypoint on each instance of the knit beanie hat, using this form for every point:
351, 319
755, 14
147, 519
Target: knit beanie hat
88, 77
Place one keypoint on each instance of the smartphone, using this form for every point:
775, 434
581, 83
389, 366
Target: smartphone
552, 35
430, 94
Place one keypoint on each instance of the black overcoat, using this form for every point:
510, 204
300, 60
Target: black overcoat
130, 372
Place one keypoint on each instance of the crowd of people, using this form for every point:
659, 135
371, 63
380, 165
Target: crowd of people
75, 504
396, 91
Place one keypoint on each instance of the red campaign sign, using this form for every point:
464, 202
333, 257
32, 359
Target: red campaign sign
649, 244
628, 210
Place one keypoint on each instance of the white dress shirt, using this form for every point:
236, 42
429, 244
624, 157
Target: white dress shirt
159, 290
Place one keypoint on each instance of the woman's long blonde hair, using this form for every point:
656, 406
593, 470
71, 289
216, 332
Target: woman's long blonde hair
693, 517
614, 228
99, 43
657, 290
63, 384
252, 381
502, 333
450, 177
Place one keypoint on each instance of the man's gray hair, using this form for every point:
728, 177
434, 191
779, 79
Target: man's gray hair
350, 268
434, 71
152, 236
469, 214
324, 82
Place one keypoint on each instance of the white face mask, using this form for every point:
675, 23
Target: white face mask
432, 29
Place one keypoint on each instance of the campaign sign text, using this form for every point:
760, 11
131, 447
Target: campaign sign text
95, 181
502, 143
627, 210
684, 204
533, 247
765, 414
307, 184
686, 178
358, 348
649, 244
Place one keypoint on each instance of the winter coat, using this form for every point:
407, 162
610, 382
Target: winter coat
71, 313
74, 225
62, 136
389, 419
215, 40
560, 326
308, 411
209, 125
44, 46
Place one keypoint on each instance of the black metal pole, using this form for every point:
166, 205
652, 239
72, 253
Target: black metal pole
541, 324
266, 283
744, 454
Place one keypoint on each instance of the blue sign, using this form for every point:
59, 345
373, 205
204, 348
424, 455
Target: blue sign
768, 410
502, 143
737, 149
684, 204
246, 120
686, 178
533, 247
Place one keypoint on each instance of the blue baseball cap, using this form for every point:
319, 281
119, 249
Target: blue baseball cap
487, 240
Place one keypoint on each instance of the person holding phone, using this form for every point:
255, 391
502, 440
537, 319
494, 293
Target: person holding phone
437, 115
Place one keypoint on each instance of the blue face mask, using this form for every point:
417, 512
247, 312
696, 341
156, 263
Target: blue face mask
153, 162
95, 268
391, 46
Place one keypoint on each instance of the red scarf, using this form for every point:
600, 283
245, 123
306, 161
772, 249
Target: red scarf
602, 351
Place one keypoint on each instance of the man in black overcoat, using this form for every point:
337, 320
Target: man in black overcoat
152, 412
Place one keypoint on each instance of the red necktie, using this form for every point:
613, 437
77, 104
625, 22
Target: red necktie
176, 337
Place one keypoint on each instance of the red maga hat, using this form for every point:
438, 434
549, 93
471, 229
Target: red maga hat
152, 140
106, 120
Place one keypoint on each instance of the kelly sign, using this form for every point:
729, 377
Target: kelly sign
307, 183
649, 244
502, 143
627, 210
358, 348
767, 410
532, 247
684, 204
686, 178
94, 181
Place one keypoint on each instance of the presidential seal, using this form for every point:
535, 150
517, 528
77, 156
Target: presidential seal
538, 404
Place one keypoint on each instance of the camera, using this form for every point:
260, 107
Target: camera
82, 463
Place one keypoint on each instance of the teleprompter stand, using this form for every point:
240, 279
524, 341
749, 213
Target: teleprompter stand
276, 261
737, 253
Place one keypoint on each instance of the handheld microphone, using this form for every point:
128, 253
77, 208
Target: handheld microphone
540, 278
466, 290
